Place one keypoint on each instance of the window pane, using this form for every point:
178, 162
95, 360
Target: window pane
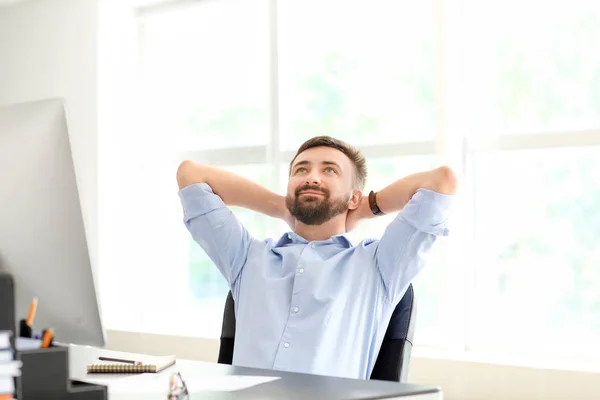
205, 75
538, 250
362, 71
531, 66
142, 232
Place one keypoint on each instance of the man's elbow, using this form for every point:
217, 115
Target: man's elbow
189, 173
445, 181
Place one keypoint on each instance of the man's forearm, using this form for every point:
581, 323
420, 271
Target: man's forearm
233, 189
394, 197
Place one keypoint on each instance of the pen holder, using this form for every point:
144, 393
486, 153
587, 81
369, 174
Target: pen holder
24, 329
45, 375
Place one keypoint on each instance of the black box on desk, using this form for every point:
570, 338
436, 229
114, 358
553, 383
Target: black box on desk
45, 375
44, 372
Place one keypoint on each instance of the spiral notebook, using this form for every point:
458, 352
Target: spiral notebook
114, 363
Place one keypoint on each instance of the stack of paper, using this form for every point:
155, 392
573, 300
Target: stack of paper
159, 384
9, 368
196, 382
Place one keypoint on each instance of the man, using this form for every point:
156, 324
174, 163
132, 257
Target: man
311, 301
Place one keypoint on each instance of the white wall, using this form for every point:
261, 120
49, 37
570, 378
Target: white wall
48, 48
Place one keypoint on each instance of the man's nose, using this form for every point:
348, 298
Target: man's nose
313, 177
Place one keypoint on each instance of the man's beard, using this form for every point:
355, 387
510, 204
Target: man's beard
315, 209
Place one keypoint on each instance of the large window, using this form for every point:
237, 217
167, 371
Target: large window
508, 93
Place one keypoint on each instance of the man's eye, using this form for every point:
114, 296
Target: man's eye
329, 169
301, 169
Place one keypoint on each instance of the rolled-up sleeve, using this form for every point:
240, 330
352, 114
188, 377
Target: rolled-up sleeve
408, 239
198, 199
216, 229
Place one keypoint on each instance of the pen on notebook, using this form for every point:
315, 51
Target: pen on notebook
119, 360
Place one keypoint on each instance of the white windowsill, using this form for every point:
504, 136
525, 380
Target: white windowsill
548, 363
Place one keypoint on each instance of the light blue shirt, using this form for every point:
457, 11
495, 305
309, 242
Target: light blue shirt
318, 307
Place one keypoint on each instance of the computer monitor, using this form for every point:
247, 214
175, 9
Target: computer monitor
42, 238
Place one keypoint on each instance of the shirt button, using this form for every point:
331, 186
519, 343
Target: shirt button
289, 236
296, 309
286, 345
301, 270
313, 245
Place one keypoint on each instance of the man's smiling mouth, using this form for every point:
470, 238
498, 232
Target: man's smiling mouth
311, 193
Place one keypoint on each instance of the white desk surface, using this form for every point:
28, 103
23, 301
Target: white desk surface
137, 386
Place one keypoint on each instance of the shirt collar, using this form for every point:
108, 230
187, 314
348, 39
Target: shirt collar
291, 237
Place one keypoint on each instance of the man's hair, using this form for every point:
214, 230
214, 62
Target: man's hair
360, 164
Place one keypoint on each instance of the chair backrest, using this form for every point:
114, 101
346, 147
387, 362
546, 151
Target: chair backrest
227, 332
393, 358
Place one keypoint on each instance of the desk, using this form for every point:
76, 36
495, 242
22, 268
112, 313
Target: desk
289, 386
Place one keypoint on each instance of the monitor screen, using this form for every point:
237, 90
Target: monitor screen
42, 237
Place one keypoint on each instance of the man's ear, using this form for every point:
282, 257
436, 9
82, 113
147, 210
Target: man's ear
355, 199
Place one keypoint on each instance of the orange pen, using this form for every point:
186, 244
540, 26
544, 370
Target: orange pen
32, 310
47, 338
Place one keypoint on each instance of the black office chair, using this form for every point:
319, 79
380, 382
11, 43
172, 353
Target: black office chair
393, 358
